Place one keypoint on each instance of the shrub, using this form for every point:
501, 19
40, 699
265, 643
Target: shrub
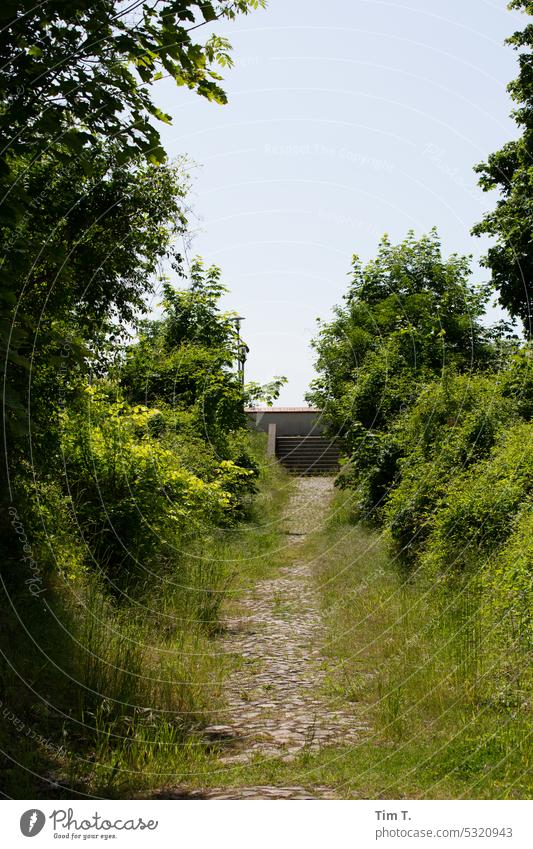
507, 580
454, 424
477, 512
135, 501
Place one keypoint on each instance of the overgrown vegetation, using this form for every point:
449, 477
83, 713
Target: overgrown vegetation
130, 553
509, 172
416, 668
434, 414
442, 676
129, 471
433, 410
134, 500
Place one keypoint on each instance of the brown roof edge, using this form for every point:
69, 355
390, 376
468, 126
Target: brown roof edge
282, 410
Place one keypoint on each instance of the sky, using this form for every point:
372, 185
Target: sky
346, 119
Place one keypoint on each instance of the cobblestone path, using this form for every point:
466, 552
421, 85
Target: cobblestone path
276, 706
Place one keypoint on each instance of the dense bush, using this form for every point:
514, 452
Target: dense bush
433, 413
134, 499
132, 522
410, 316
477, 512
453, 424
507, 581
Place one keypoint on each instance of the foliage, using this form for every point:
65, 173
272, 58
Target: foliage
85, 252
77, 124
409, 313
509, 171
517, 381
439, 448
266, 393
479, 506
186, 360
149, 472
453, 424
440, 678
80, 70
120, 684
409, 316
120, 501
135, 503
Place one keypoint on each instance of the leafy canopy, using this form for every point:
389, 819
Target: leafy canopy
187, 359
408, 314
77, 70
510, 172
409, 317
85, 214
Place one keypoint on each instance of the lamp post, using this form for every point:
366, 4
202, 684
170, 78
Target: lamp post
242, 348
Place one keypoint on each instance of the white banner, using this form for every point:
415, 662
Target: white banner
196, 824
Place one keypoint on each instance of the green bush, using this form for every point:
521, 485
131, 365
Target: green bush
454, 424
507, 581
478, 510
518, 381
186, 359
135, 501
409, 316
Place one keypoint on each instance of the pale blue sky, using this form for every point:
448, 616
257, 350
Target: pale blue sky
346, 119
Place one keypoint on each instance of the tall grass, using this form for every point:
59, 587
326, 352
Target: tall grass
425, 663
116, 689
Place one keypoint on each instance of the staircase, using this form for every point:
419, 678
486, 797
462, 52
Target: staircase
307, 455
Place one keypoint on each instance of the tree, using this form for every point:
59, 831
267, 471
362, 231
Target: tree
77, 70
88, 249
186, 360
81, 231
510, 171
409, 316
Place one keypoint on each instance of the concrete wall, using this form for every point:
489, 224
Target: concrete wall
297, 421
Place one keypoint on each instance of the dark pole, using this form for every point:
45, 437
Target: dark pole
242, 348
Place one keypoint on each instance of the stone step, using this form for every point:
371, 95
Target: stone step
307, 454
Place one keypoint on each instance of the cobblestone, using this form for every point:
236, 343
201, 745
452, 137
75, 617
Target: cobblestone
276, 704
